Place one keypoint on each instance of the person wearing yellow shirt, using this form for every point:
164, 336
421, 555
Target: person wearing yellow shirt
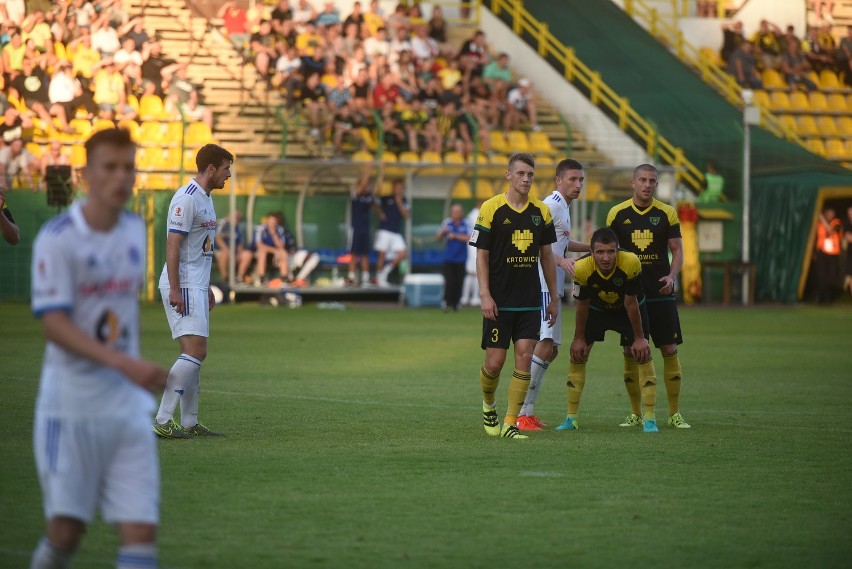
108, 87
13, 52
308, 41
84, 58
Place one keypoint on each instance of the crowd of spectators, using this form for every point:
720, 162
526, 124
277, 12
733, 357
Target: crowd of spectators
360, 69
794, 57
84, 60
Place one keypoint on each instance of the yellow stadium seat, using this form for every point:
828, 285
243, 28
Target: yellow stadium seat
35, 149
407, 156
362, 156
498, 142
132, 127
826, 126
817, 100
773, 80
481, 159
836, 103
761, 98
484, 189
453, 158
849, 147
816, 146
835, 149
172, 158
389, 157
82, 126
799, 101
844, 125
158, 182
189, 161
198, 134
151, 108
148, 158
540, 143
133, 101
518, 141
461, 190
78, 155
102, 124
431, 157
807, 126
594, 191
779, 101
828, 80
544, 160
789, 121
151, 133
499, 160
369, 138
172, 133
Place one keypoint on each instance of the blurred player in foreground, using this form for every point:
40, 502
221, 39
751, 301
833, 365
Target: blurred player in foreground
93, 445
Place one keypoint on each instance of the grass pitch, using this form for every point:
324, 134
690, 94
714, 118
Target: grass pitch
355, 440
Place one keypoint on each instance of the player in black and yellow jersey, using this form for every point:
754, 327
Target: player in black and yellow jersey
512, 233
650, 228
8, 228
608, 289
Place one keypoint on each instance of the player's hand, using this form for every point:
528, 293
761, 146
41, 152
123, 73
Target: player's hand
176, 300
567, 265
489, 308
668, 285
641, 350
579, 350
551, 311
146, 374
211, 300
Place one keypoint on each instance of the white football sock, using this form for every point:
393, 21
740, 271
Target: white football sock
180, 376
539, 366
48, 556
189, 399
137, 556
365, 277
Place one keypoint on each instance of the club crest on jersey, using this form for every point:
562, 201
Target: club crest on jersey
618, 281
536, 219
654, 221
207, 245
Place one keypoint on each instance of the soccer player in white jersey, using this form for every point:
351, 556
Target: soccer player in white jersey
185, 288
92, 439
569, 183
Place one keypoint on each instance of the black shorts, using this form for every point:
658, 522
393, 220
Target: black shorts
360, 243
523, 325
665, 322
599, 321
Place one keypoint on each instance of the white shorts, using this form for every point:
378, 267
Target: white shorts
547, 332
195, 320
389, 242
89, 463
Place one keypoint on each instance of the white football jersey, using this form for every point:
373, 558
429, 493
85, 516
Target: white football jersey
561, 214
191, 214
95, 277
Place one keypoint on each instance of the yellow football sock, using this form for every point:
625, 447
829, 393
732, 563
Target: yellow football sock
631, 384
576, 382
672, 375
648, 385
517, 393
489, 385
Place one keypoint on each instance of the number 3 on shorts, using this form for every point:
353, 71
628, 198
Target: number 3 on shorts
495, 336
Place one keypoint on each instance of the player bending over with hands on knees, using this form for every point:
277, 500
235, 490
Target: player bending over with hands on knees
609, 296
92, 439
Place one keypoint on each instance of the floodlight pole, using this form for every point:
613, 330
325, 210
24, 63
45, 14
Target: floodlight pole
751, 116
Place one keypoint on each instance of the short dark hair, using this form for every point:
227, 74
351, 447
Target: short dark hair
212, 155
567, 164
644, 168
522, 157
604, 235
108, 137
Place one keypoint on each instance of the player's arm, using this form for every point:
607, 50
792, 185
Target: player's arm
548, 269
404, 211
489, 307
61, 330
8, 227
668, 281
173, 242
579, 347
578, 246
639, 348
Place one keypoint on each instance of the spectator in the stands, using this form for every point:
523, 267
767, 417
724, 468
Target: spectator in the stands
104, 36
13, 11
406, 75
844, 59
127, 55
14, 51
354, 65
13, 126
282, 12
497, 75
400, 42
826, 41
795, 68
84, 59
395, 138
309, 39
378, 44
823, 9
312, 98
438, 26
134, 29
733, 39
816, 57
767, 45
790, 35
450, 75
386, 91
743, 66
84, 12
374, 18
313, 63
288, 68
16, 162
474, 54
55, 157
398, 21
303, 14
329, 15
362, 90
235, 21
422, 46
182, 96
706, 8
339, 95
520, 102
356, 17
351, 40
35, 28
33, 85
110, 92
66, 90
263, 48
344, 127
155, 68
